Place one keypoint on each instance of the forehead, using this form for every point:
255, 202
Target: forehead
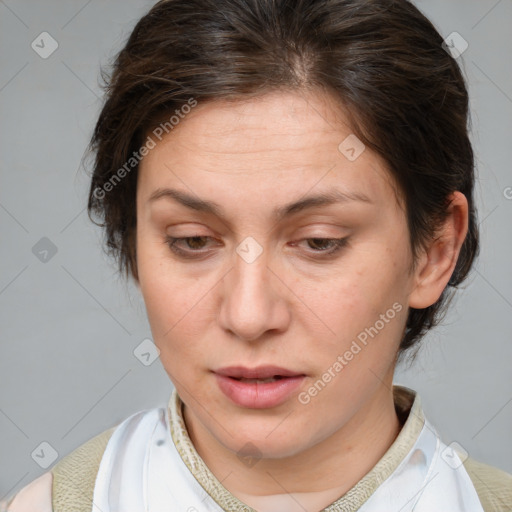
279, 121
283, 143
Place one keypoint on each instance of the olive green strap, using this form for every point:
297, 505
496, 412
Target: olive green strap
74, 476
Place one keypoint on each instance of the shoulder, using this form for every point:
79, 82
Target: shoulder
75, 474
493, 486
69, 485
34, 497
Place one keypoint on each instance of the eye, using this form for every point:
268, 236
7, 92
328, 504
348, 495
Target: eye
194, 244
333, 244
191, 241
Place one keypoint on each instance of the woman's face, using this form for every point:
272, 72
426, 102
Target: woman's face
255, 283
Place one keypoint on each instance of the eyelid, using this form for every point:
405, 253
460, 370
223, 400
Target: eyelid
336, 243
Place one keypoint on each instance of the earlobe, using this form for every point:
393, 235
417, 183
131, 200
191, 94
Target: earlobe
437, 262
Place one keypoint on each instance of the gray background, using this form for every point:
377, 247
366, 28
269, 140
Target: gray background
69, 326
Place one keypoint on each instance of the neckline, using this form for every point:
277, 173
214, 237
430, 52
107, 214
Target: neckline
409, 411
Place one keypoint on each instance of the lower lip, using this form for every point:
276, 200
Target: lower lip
259, 395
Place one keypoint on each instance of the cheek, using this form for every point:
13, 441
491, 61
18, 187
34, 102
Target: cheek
364, 303
360, 290
174, 307
172, 298
178, 319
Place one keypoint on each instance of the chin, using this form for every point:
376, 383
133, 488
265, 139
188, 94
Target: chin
270, 438
254, 447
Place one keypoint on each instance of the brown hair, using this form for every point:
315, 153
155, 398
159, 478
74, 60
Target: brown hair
382, 60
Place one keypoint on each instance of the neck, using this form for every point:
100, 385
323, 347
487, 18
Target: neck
314, 477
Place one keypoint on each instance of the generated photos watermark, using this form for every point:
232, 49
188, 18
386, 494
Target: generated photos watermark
355, 348
150, 143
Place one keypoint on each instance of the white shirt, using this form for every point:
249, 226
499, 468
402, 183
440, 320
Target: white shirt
151, 465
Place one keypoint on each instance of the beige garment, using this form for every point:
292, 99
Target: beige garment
73, 480
70, 482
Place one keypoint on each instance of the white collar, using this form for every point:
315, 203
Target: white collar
150, 464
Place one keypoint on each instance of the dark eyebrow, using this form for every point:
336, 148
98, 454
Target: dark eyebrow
202, 205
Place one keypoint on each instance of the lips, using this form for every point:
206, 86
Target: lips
258, 388
259, 373
270, 379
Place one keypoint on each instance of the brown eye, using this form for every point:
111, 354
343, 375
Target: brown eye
193, 244
330, 245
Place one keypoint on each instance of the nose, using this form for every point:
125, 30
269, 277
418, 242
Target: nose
254, 299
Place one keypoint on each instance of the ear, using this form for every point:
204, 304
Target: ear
437, 261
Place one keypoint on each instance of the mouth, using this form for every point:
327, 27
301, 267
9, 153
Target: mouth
268, 373
262, 381
258, 388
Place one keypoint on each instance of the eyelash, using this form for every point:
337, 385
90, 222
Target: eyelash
171, 242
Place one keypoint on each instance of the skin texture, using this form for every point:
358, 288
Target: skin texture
291, 307
34, 497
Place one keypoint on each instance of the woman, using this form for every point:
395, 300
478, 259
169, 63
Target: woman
290, 184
